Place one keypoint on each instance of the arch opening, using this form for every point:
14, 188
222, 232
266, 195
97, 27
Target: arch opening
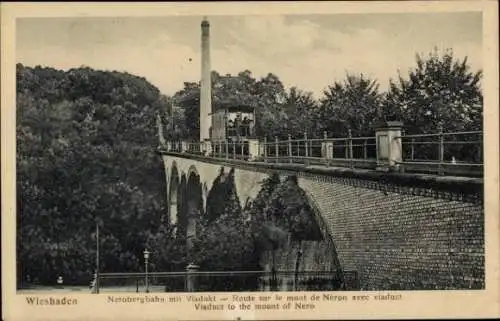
181, 207
194, 206
173, 199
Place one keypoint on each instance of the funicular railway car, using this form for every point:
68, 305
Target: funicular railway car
232, 127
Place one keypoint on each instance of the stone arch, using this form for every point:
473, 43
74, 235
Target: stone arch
173, 165
194, 204
173, 196
181, 207
192, 170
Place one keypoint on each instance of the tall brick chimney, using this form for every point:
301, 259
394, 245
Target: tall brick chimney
206, 83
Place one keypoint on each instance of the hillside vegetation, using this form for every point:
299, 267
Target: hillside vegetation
85, 155
86, 144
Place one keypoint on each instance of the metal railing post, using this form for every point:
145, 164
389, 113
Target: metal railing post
325, 142
297, 148
276, 146
265, 149
311, 145
441, 149
392, 157
306, 144
412, 148
350, 148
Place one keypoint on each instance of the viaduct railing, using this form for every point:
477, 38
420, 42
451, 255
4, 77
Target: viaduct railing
234, 281
442, 153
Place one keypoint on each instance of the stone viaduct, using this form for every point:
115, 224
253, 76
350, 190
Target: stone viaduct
395, 227
395, 230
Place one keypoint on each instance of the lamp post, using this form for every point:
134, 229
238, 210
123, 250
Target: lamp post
146, 261
97, 285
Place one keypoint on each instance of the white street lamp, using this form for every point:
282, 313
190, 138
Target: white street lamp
146, 258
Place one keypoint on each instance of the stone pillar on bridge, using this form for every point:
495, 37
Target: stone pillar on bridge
192, 278
389, 146
326, 147
206, 148
253, 149
184, 146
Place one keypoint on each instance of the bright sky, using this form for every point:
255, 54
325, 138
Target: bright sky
307, 51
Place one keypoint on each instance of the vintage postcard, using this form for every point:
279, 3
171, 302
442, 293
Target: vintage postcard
250, 161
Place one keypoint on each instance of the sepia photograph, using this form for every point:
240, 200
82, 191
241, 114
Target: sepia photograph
252, 153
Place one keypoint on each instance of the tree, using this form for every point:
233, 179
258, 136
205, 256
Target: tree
222, 228
289, 208
266, 95
85, 155
300, 108
221, 197
169, 250
189, 100
271, 118
236, 90
439, 90
353, 104
267, 235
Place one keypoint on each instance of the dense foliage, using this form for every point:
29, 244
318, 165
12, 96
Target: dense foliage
439, 89
85, 157
232, 237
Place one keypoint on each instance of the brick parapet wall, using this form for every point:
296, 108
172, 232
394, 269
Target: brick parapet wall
466, 189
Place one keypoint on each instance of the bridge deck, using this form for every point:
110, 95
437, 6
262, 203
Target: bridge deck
455, 178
